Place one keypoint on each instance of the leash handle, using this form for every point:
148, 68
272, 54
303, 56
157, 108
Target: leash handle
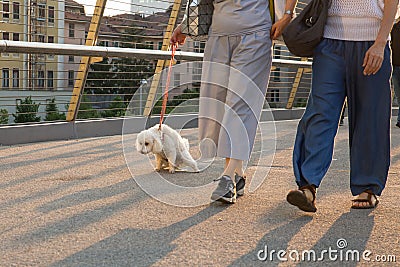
165, 97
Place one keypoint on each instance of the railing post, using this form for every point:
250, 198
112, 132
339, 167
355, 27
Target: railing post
162, 63
85, 61
295, 86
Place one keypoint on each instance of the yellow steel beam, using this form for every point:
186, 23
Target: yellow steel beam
295, 85
162, 63
85, 61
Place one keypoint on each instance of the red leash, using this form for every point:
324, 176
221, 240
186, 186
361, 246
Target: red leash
165, 98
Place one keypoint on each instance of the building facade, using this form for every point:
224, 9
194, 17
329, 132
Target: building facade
149, 7
31, 21
76, 25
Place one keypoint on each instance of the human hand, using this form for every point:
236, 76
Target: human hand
374, 58
279, 26
178, 36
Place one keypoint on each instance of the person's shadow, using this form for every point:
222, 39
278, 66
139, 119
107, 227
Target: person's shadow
276, 239
349, 236
137, 247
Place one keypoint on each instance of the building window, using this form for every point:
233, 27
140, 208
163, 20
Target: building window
160, 44
71, 59
42, 12
41, 38
275, 95
51, 14
6, 10
149, 45
6, 78
15, 79
50, 39
199, 47
40, 81
177, 79
276, 74
50, 79
6, 36
70, 78
15, 10
71, 30
104, 43
15, 36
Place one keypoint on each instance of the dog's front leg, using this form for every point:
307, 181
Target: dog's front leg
159, 162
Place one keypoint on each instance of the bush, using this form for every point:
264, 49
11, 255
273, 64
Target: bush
26, 111
3, 116
176, 101
52, 112
115, 109
300, 103
86, 111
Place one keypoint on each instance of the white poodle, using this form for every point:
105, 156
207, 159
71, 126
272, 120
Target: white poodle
168, 147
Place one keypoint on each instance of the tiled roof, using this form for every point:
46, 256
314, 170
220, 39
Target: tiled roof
150, 26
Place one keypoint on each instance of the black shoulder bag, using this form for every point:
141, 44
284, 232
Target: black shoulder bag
306, 31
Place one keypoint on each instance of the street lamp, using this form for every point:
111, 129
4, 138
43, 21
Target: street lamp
143, 82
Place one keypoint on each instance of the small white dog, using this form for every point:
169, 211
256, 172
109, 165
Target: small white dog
169, 148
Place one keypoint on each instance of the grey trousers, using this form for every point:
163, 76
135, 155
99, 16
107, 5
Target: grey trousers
235, 77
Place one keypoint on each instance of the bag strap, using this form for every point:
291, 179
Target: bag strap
272, 10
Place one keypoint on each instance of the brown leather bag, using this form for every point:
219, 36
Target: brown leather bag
306, 31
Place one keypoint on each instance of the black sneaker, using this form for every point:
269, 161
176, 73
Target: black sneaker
398, 124
240, 183
226, 190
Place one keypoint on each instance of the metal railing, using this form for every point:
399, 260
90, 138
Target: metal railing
44, 64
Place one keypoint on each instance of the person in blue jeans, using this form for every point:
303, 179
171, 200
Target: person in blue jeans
354, 61
396, 65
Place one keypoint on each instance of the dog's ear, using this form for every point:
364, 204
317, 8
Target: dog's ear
157, 145
138, 146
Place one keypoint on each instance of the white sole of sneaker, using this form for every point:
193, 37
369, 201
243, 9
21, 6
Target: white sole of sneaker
222, 199
240, 192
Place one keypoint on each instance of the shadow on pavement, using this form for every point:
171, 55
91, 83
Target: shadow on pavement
276, 239
137, 247
350, 232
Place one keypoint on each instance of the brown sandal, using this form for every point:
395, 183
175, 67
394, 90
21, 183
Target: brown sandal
367, 200
299, 199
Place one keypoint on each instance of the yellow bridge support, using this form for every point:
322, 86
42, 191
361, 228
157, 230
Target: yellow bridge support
162, 63
86, 61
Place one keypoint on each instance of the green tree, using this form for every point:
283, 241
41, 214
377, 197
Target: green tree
121, 76
3, 116
176, 101
115, 109
52, 112
86, 110
26, 111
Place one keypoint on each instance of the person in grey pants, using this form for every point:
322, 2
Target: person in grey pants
236, 70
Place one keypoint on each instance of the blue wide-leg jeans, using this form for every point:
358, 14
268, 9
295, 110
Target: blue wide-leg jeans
337, 73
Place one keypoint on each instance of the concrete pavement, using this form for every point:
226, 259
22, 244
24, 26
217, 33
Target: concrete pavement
75, 203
